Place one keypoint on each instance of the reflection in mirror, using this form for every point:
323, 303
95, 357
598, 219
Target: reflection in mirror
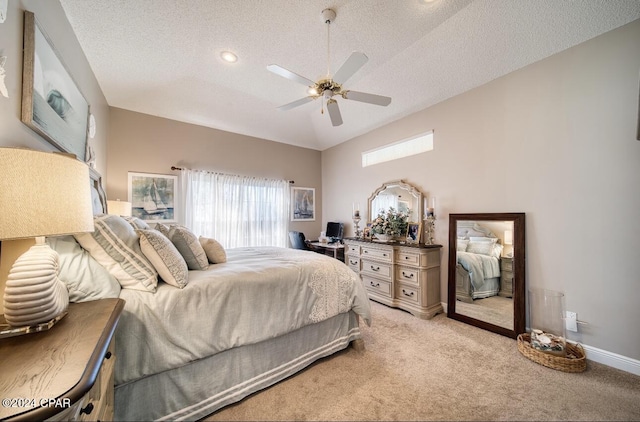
486, 271
399, 195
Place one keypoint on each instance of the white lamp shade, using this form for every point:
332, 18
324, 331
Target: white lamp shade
122, 208
508, 237
43, 194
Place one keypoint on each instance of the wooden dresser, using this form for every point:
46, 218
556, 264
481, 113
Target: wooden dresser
403, 276
65, 373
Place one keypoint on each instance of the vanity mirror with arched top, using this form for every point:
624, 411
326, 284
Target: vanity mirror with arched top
399, 195
487, 271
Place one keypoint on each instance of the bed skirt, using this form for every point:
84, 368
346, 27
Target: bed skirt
198, 389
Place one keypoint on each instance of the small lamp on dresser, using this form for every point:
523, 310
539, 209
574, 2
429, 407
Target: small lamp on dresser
41, 194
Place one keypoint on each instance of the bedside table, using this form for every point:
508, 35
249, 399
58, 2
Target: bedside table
65, 373
506, 276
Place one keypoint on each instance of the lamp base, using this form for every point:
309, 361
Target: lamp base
8, 331
34, 294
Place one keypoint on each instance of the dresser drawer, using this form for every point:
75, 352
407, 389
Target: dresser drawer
378, 254
378, 286
407, 275
377, 269
408, 258
353, 263
353, 249
407, 293
506, 264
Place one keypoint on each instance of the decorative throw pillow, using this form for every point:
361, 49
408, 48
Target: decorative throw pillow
189, 246
483, 239
85, 279
137, 223
116, 246
482, 248
214, 250
163, 229
165, 257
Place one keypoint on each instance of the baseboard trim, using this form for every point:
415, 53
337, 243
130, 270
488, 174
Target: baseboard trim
614, 360
604, 357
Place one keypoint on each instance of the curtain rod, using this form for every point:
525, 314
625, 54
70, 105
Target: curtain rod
225, 174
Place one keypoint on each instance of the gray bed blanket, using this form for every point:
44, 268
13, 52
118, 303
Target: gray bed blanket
479, 267
259, 293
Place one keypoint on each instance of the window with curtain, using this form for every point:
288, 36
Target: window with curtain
237, 211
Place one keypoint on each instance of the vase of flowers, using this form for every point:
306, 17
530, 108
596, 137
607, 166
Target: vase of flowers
390, 224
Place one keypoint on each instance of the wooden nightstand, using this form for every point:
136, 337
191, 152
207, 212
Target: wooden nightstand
65, 373
506, 276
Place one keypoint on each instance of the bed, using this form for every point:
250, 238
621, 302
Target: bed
478, 253
234, 328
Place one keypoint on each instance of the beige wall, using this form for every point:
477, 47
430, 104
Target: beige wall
53, 21
13, 133
556, 140
143, 143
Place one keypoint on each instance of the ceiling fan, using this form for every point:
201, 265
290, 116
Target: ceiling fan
331, 86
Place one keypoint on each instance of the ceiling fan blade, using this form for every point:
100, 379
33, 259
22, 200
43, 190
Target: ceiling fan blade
334, 112
296, 103
281, 71
355, 61
367, 98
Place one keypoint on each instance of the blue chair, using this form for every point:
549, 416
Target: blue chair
298, 241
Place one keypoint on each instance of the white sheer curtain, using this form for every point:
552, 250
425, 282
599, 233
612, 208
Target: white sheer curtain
237, 211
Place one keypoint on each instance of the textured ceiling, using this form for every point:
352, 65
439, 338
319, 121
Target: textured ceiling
162, 57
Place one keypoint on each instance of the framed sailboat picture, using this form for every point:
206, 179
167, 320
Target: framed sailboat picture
153, 196
303, 207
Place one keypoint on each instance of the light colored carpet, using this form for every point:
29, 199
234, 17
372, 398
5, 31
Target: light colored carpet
496, 310
439, 369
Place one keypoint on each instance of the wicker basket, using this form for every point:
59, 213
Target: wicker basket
575, 361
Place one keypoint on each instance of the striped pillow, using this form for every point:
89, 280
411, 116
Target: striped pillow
116, 246
189, 246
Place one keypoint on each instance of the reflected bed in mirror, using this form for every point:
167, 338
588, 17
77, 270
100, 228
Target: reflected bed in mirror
486, 271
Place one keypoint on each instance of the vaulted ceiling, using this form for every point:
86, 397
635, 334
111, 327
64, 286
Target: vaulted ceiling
162, 57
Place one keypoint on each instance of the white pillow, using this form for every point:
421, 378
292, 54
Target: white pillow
483, 239
165, 257
116, 246
189, 246
461, 245
214, 250
482, 248
85, 278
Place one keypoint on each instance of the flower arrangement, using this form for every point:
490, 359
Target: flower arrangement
392, 222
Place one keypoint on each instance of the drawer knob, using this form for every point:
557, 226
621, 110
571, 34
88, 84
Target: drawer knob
374, 284
407, 276
88, 409
406, 257
384, 254
107, 355
404, 292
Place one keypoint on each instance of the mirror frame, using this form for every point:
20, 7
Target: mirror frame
403, 185
519, 292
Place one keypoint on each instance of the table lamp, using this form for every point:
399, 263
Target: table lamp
118, 207
41, 194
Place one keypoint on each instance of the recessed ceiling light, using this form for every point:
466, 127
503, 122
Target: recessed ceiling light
229, 57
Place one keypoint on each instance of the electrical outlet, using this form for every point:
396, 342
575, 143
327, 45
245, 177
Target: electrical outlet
571, 321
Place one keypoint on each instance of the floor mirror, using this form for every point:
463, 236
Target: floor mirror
486, 286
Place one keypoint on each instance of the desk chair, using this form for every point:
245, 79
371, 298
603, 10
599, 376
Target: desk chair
298, 241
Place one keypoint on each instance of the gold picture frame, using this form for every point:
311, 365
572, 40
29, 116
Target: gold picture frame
52, 104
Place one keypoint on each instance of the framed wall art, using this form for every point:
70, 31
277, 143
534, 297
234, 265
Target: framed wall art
303, 204
52, 104
153, 196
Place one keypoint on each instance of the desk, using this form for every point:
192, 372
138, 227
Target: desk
335, 247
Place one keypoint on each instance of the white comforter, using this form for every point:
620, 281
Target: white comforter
479, 267
259, 293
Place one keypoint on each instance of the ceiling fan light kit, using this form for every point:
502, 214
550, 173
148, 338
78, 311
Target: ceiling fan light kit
331, 86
